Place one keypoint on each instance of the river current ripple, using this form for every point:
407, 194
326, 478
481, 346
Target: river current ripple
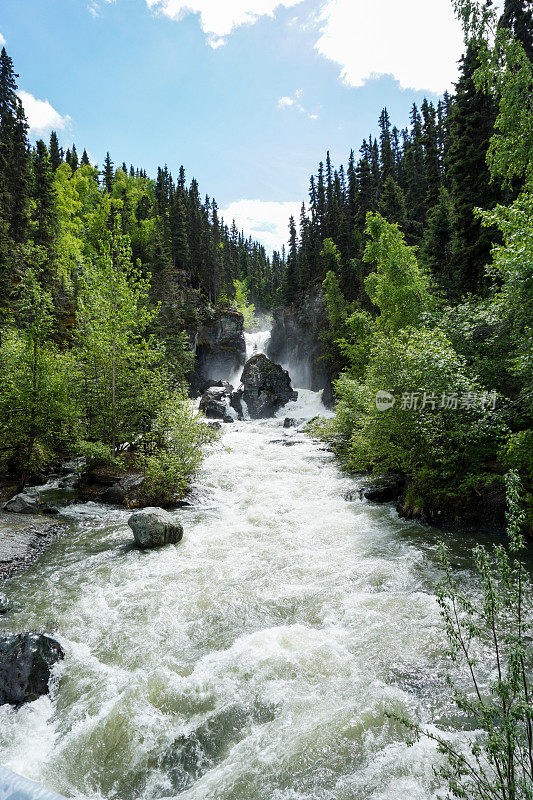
257, 659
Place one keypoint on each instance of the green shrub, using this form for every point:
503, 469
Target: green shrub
177, 442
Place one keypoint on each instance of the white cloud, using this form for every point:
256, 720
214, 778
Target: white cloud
285, 102
217, 18
2, 41
266, 221
42, 116
417, 41
294, 102
94, 6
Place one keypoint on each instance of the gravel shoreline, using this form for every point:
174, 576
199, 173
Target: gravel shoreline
23, 538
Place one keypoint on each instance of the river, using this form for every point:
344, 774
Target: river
257, 659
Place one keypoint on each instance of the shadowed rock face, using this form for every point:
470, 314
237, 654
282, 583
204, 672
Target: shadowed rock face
295, 340
220, 347
214, 402
26, 661
266, 387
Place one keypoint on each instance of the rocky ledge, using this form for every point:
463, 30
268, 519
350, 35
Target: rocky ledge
23, 539
482, 511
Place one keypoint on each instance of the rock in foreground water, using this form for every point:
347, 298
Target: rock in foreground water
26, 662
266, 387
155, 527
5, 603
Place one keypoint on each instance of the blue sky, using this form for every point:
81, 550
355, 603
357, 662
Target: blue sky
247, 94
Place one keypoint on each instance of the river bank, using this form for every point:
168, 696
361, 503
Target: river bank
253, 661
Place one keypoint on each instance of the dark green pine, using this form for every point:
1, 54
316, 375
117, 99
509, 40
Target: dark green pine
108, 174
471, 128
56, 156
44, 216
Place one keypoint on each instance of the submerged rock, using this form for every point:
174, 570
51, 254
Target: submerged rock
194, 754
266, 387
26, 662
155, 527
23, 503
291, 422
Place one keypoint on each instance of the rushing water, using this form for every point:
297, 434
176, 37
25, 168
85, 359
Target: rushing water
257, 659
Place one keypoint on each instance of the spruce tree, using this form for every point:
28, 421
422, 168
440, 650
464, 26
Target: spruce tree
108, 174
74, 161
431, 154
416, 184
518, 18
14, 154
85, 160
55, 152
471, 127
352, 188
436, 248
44, 216
291, 279
180, 244
392, 203
386, 153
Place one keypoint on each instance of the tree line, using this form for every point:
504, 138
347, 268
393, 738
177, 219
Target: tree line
428, 178
424, 253
104, 276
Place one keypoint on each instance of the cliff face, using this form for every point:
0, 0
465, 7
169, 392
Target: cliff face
295, 342
220, 348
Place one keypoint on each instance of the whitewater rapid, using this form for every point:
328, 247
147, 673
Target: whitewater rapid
257, 659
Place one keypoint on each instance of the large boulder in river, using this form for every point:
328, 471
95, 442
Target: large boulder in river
220, 348
266, 387
23, 503
215, 400
154, 527
26, 661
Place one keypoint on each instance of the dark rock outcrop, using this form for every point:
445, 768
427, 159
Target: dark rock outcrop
103, 485
155, 527
295, 341
266, 387
26, 662
481, 511
220, 349
215, 401
114, 494
387, 490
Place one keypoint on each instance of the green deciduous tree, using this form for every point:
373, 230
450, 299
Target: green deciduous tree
398, 287
36, 416
120, 384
